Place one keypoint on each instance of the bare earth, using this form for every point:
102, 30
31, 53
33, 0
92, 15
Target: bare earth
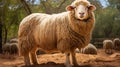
58, 59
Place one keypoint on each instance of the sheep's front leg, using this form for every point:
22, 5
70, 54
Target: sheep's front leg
74, 61
67, 60
33, 56
27, 59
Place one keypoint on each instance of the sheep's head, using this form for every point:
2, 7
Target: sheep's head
81, 8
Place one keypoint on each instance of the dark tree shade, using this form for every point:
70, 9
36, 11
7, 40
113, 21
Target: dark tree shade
0, 35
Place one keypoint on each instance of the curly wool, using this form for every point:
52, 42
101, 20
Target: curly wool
61, 32
89, 49
108, 46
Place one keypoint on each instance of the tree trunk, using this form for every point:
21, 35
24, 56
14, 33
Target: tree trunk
0, 34
5, 34
26, 7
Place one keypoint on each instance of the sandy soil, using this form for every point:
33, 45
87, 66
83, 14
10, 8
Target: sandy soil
58, 59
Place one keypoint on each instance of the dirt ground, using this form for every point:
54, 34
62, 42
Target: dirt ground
58, 59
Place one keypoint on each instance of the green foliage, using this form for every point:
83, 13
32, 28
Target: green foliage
107, 23
12, 14
51, 6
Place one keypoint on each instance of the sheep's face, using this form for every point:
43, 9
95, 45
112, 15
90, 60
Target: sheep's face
81, 8
81, 12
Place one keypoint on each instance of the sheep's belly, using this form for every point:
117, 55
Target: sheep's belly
45, 36
48, 46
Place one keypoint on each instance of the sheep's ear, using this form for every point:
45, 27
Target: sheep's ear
92, 7
69, 8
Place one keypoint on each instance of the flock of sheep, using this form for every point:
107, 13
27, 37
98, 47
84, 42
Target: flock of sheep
108, 45
63, 32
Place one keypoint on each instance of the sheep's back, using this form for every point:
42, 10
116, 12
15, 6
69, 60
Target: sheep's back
46, 33
89, 49
39, 30
108, 44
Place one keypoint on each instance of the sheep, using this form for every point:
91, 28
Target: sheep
77, 50
108, 46
62, 32
116, 42
14, 48
10, 48
6, 48
89, 49
14, 40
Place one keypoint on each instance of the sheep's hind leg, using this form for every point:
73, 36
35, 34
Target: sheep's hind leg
27, 60
33, 57
74, 61
67, 64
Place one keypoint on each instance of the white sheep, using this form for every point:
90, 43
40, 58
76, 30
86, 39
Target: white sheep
89, 49
63, 32
116, 42
108, 46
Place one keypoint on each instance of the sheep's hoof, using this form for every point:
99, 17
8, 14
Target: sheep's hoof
76, 65
27, 65
35, 63
66, 65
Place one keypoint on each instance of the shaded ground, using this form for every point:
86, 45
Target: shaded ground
58, 59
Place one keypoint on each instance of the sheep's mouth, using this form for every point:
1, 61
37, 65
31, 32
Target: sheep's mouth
85, 20
81, 16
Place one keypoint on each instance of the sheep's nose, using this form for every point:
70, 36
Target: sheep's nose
82, 13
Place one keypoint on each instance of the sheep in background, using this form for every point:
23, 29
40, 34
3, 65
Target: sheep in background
108, 46
77, 50
14, 48
116, 42
89, 49
63, 32
14, 40
10, 48
6, 48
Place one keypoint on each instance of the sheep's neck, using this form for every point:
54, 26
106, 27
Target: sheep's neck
82, 27
77, 39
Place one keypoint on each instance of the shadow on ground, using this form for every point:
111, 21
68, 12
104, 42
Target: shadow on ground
53, 64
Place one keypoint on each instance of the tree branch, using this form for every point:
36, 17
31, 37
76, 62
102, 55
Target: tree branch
46, 8
42, 2
61, 4
26, 7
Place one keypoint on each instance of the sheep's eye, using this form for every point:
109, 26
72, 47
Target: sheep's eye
87, 7
75, 8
